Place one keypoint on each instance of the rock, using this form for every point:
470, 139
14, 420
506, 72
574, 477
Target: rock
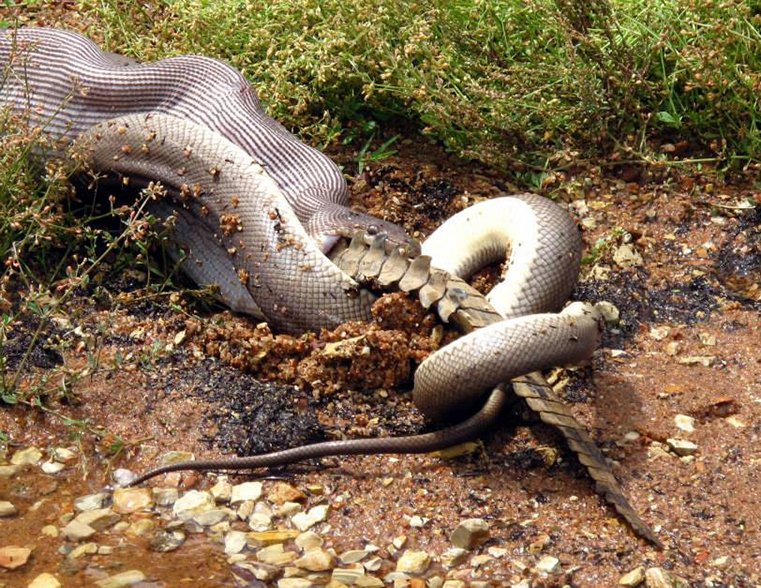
235, 541
369, 582
454, 556
413, 562
260, 538
633, 578
52, 467
470, 533
660, 578
7, 509
684, 423
164, 541
12, 557
98, 519
309, 540
77, 531
348, 576
127, 578
45, 580
246, 491
497, 552
50, 531
454, 584
303, 521
276, 555
660, 333
259, 521
129, 500
626, 257
123, 477
28, 456
209, 518
90, 501
609, 312
295, 583
8, 471
315, 560
165, 496
191, 503
682, 447
352, 556
548, 564
63, 454
140, 528
82, 550
171, 457
222, 491
280, 493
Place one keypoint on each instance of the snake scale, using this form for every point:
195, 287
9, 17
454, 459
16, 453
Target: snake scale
257, 211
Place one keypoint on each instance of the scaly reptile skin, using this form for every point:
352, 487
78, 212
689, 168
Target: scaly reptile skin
243, 188
65, 84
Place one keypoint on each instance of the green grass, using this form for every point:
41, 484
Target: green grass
507, 82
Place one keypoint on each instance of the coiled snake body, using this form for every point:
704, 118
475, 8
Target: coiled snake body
257, 210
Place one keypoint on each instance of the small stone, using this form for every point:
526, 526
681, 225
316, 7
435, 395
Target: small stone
352, 556
52, 467
45, 580
303, 521
123, 477
497, 552
259, 521
235, 541
479, 560
633, 578
140, 528
165, 541
631, 436
660, 578
315, 560
288, 509
609, 312
192, 503
308, 540
626, 256
659, 333
76, 531
105, 550
121, 580
707, 339
28, 456
63, 454
82, 550
736, 422
294, 583
260, 538
721, 562
682, 447
50, 531
541, 542
548, 564
399, 541
470, 533
704, 360
417, 522
98, 519
454, 556
12, 557
171, 457
165, 496
369, 582
373, 564
90, 501
413, 562
211, 517
454, 584
684, 423
222, 491
246, 491
7, 509
8, 471
280, 493
129, 500
347, 576
276, 555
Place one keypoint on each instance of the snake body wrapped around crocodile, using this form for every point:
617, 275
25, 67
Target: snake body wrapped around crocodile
256, 211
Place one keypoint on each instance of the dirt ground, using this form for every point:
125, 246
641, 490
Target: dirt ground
679, 255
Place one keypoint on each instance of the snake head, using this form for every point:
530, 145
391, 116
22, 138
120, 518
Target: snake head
337, 223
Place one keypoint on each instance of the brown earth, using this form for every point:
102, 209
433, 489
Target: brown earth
149, 373
160, 379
